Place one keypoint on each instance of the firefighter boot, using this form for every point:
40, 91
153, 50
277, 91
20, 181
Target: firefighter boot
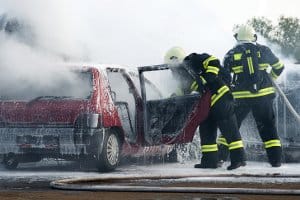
274, 156
237, 157
208, 160
222, 154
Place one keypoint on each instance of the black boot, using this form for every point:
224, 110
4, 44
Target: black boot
237, 157
222, 154
274, 156
208, 160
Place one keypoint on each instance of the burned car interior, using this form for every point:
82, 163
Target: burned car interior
166, 116
165, 109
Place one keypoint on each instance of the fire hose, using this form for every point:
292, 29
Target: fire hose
287, 102
117, 184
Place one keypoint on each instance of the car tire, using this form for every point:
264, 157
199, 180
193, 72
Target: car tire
109, 158
10, 161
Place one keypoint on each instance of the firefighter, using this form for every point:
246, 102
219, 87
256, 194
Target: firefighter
174, 57
252, 88
206, 69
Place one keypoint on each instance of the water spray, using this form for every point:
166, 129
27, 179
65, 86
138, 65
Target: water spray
287, 102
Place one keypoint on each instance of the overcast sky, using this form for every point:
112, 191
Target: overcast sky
138, 32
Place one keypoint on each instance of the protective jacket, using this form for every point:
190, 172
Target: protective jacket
207, 68
249, 63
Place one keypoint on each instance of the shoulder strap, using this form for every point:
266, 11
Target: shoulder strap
250, 61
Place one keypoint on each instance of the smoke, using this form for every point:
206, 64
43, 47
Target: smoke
36, 35
125, 32
129, 32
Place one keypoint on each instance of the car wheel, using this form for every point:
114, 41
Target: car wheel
110, 154
10, 161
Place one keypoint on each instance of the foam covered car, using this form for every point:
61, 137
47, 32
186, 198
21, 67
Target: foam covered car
99, 115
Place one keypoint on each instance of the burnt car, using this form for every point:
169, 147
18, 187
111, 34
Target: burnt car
105, 114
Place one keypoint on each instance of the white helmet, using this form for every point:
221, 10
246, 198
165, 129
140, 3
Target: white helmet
245, 33
174, 55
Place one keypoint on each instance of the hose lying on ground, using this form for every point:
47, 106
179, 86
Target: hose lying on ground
116, 184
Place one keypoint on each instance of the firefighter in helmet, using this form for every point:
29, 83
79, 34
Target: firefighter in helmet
174, 57
206, 69
253, 90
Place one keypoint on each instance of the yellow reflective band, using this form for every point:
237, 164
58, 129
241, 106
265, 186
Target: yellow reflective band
236, 145
212, 69
222, 140
220, 93
248, 94
258, 54
220, 90
274, 75
272, 143
237, 56
250, 65
263, 66
209, 148
248, 51
194, 86
203, 80
277, 65
206, 61
237, 69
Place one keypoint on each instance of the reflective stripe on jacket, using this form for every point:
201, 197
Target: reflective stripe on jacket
209, 77
244, 63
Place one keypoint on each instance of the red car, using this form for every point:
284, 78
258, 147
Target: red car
106, 114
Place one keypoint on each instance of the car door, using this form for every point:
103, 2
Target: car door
173, 116
125, 100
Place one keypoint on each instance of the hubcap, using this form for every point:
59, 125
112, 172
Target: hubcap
112, 149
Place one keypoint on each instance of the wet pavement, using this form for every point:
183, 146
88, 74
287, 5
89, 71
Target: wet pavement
32, 180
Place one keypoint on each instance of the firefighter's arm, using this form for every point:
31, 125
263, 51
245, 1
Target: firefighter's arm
227, 63
210, 77
212, 68
198, 85
277, 68
275, 63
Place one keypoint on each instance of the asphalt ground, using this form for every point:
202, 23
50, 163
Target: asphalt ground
32, 181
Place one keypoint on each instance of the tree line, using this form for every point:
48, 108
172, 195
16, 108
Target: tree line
285, 33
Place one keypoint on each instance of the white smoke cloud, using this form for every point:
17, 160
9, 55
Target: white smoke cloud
132, 32
126, 32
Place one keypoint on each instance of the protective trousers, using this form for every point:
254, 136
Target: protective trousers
263, 113
221, 116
